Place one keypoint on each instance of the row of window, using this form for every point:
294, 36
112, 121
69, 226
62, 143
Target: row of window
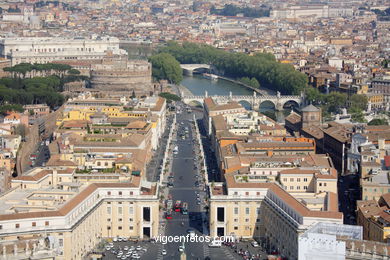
33, 224
247, 193
247, 210
247, 220
297, 188
246, 228
292, 179
120, 227
120, 193
120, 210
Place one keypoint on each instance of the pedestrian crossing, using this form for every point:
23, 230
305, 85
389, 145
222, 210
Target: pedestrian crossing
159, 255
206, 250
228, 253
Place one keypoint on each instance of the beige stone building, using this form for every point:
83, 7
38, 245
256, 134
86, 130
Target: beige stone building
248, 208
117, 73
50, 210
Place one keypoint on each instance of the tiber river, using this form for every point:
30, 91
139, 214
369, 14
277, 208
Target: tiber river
198, 85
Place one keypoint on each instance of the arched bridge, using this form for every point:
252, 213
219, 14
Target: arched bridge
255, 101
189, 68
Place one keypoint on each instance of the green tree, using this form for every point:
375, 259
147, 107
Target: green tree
165, 66
74, 72
314, 96
261, 66
21, 130
335, 101
169, 97
359, 101
254, 83
357, 115
378, 121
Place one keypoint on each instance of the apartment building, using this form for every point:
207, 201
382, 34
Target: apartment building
251, 208
374, 216
115, 116
213, 109
46, 217
49, 49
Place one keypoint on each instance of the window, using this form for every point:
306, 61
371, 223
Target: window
108, 227
305, 187
235, 193
34, 224
246, 193
258, 211
291, 187
131, 227
257, 220
108, 210
120, 220
258, 193
247, 220
1, 227
298, 187
120, 193
298, 179
120, 227
305, 179
131, 210
17, 225
108, 192
320, 184
236, 210
291, 179
324, 184
130, 220
120, 210
46, 223
61, 242
235, 228
108, 220
247, 211
131, 193
284, 179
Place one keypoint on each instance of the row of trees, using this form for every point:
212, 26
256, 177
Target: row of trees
250, 82
169, 97
233, 10
335, 101
165, 66
262, 66
24, 70
31, 91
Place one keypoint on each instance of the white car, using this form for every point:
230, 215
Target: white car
115, 239
255, 244
181, 248
139, 248
164, 252
126, 248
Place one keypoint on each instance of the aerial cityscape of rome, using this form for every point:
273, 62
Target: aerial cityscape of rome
195, 129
